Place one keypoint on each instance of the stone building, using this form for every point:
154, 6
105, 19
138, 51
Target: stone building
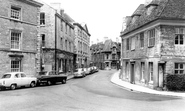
82, 44
106, 55
19, 29
97, 57
153, 43
57, 39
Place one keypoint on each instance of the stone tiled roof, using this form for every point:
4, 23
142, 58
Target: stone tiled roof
164, 9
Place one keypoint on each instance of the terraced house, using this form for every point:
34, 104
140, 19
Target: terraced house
82, 44
153, 43
57, 39
19, 31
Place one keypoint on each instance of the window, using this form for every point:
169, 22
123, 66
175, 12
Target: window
23, 75
179, 36
107, 56
61, 43
179, 68
113, 56
42, 18
151, 36
133, 42
15, 40
151, 71
142, 40
66, 28
15, 65
61, 25
142, 70
15, 12
69, 46
66, 44
43, 40
128, 44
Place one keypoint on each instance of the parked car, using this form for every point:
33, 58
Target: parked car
51, 77
13, 80
80, 72
87, 70
96, 69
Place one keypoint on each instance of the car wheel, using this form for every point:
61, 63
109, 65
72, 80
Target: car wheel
32, 84
48, 83
12, 87
63, 81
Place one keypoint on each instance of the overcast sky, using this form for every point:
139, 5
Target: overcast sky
103, 17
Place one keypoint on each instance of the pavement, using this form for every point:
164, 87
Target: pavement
137, 88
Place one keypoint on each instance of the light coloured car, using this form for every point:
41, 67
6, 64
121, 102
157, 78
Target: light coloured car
80, 72
87, 70
13, 80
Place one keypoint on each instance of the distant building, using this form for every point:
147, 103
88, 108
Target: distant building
82, 44
106, 55
57, 39
153, 43
19, 31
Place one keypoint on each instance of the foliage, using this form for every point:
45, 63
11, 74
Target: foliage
175, 82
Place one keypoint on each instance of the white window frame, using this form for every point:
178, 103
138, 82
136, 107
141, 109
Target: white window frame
133, 43
15, 12
151, 72
151, 37
179, 69
42, 20
142, 70
141, 40
14, 67
13, 40
179, 32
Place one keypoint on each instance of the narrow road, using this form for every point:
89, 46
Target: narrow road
93, 93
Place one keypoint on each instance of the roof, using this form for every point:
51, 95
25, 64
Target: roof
32, 2
163, 9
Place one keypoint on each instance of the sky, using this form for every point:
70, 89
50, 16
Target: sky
104, 18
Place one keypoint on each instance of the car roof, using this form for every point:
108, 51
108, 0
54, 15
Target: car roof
13, 72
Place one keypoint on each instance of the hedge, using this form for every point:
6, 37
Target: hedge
175, 82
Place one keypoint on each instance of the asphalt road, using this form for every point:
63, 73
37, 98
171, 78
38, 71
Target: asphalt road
93, 93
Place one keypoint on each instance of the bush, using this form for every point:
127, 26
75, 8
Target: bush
175, 82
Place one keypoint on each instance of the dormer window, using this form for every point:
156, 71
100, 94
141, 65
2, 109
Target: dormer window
150, 6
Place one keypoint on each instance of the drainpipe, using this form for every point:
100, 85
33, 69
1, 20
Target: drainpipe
55, 41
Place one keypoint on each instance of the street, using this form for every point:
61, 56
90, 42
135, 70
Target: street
93, 93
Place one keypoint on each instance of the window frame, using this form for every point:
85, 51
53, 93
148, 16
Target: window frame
128, 44
43, 20
151, 37
133, 43
179, 32
19, 39
141, 39
12, 68
179, 69
142, 70
151, 72
18, 9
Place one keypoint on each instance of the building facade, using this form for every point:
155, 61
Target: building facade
57, 40
82, 45
106, 55
153, 43
97, 57
19, 31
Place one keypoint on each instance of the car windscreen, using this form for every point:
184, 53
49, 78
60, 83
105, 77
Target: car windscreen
6, 76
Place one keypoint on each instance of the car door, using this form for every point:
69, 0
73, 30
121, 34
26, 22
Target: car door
17, 79
24, 79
